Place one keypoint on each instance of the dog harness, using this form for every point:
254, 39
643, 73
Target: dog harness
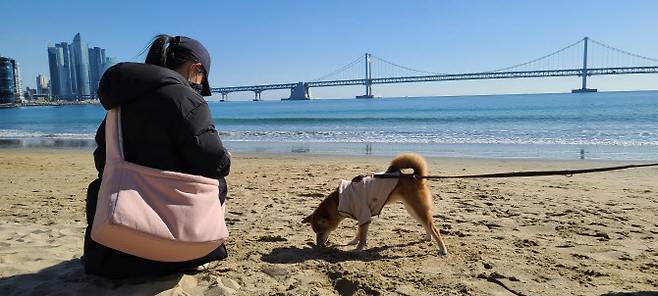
364, 198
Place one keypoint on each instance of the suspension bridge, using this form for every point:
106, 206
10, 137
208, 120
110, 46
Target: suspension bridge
584, 58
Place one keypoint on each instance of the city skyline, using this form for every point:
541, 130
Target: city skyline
255, 42
75, 69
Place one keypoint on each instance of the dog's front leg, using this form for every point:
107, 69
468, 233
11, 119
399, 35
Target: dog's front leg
362, 236
356, 237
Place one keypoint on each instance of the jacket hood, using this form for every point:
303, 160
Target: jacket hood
127, 82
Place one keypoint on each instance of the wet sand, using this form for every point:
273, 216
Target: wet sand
589, 234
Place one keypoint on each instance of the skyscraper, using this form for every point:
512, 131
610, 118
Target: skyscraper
18, 83
42, 85
7, 81
10, 81
68, 72
80, 62
55, 63
96, 67
60, 70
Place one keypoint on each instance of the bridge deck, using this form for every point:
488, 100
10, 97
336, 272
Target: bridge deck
447, 77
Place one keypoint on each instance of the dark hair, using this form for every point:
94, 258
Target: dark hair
163, 52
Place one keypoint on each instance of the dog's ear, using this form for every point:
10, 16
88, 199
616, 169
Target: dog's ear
357, 179
308, 219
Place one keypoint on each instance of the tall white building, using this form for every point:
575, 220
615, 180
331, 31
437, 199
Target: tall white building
42, 85
18, 83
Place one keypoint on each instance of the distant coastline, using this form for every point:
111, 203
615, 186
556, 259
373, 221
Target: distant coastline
51, 103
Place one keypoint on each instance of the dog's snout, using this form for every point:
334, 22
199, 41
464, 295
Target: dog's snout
321, 239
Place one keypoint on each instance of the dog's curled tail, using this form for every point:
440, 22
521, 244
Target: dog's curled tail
409, 161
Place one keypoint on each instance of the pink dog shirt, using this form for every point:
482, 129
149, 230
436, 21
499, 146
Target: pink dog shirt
364, 199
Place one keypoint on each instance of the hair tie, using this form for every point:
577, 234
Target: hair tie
173, 42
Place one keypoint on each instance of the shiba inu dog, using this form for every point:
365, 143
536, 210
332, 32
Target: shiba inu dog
364, 197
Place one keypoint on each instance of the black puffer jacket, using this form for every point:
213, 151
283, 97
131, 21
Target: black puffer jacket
166, 125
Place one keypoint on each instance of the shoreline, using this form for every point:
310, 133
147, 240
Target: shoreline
42, 103
564, 152
356, 157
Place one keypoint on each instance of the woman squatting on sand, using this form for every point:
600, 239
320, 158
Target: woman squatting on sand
166, 125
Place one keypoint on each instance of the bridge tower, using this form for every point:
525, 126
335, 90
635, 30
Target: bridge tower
584, 88
367, 79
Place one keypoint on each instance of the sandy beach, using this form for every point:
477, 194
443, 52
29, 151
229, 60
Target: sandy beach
594, 234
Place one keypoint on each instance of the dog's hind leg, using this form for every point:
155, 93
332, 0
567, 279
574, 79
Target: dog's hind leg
412, 213
423, 213
436, 234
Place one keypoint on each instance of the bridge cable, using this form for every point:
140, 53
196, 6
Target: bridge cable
623, 51
539, 58
406, 68
341, 69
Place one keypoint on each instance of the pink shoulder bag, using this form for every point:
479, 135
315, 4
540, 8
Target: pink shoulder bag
155, 214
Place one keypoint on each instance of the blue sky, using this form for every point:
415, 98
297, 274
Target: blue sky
286, 41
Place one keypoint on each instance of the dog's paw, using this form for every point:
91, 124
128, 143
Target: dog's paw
359, 248
353, 242
357, 251
326, 244
443, 252
427, 238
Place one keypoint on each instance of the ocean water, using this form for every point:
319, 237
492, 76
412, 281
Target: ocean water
611, 126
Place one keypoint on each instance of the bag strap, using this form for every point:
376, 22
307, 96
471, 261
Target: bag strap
113, 135
120, 133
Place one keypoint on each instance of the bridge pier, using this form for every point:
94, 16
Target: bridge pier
257, 95
584, 88
224, 97
299, 92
